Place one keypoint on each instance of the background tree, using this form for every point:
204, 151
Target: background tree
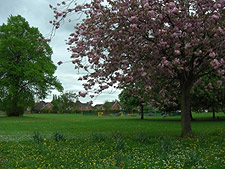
163, 43
209, 94
26, 69
65, 102
107, 106
56, 104
131, 102
128, 101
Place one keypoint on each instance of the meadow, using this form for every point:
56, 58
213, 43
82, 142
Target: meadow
78, 141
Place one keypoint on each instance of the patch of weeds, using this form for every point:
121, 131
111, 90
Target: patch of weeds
38, 137
192, 160
98, 137
103, 154
165, 148
166, 145
117, 135
143, 138
119, 160
58, 136
222, 133
120, 144
119, 141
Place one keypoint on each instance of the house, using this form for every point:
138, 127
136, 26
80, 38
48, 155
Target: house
48, 106
38, 107
99, 107
2, 112
112, 105
116, 106
27, 111
83, 106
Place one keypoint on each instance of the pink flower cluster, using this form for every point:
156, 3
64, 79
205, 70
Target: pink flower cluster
146, 42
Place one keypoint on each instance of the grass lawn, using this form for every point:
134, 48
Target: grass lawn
77, 141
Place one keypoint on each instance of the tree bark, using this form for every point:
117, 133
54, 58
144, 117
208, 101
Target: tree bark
142, 112
192, 119
185, 110
14, 109
213, 110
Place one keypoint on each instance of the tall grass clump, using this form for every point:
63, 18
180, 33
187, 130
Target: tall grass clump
58, 136
38, 137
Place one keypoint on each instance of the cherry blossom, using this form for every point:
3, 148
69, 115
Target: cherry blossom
165, 44
60, 62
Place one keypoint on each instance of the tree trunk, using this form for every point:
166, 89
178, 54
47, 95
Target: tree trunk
142, 112
14, 109
192, 119
185, 110
213, 110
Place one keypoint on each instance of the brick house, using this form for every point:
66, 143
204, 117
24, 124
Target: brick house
38, 107
83, 106
116, 106
99, 107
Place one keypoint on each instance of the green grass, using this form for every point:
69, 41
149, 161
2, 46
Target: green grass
76, 141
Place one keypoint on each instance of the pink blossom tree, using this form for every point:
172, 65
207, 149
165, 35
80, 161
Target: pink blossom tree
155, 43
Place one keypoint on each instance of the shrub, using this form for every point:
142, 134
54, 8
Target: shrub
166, 145
144, 138
98, 137
38, 138
58, 136
191, 160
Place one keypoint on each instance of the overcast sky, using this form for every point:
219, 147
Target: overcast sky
38, 14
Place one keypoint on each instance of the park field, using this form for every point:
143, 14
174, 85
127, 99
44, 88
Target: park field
79, 141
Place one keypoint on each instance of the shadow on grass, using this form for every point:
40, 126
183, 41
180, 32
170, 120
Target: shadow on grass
202, 119
209, 119
161, 120
172, 119
4, 116
142, 120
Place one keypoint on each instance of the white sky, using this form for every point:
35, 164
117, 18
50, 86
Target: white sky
38, 14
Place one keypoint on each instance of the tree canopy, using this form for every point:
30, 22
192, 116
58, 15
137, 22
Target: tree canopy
132, 101
65, 102
154, 43
129, 101
26, 69
209, 94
